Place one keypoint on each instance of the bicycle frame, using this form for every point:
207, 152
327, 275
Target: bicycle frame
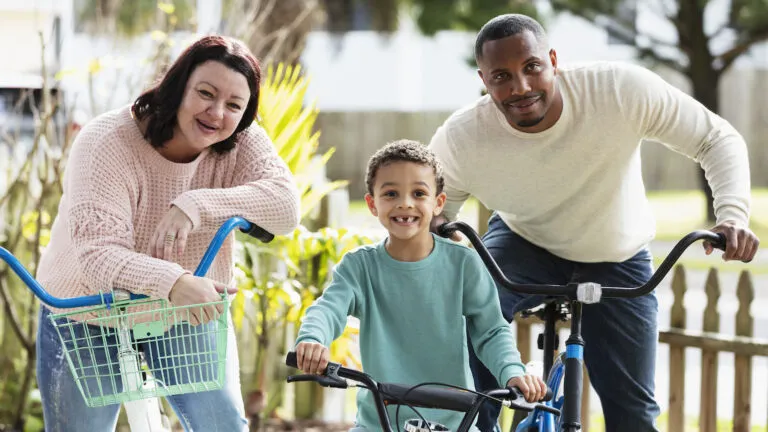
543, 421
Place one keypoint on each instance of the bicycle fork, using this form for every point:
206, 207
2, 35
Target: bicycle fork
574, 362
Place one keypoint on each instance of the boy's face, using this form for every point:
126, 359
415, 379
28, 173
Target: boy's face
405, 199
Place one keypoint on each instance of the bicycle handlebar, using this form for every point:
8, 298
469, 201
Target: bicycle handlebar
571, 290
426, 396
108, 298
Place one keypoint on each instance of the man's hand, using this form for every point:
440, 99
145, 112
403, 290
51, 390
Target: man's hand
740, 242
312, 357
440, 220
532, 387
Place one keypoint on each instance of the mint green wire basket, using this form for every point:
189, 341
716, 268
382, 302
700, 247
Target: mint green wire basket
141, 349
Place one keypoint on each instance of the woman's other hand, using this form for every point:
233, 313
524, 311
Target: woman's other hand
170, 237
192, 290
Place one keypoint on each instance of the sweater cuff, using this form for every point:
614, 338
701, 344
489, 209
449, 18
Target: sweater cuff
301, 339
510, 371
167, 280
186, 204
732, 213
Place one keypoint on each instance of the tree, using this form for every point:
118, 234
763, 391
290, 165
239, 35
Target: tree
692, 54
467, 15
129, 18
275, 30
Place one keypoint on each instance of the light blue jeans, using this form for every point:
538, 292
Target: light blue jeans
64, 409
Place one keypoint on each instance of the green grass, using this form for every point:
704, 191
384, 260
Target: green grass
677, 213
597, 423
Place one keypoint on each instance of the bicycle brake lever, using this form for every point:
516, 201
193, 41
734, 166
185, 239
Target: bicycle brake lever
548, 408
323, 380
517, 401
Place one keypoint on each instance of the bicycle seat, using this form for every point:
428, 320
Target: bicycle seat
561, 309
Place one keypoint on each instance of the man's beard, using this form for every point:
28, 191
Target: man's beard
530, 123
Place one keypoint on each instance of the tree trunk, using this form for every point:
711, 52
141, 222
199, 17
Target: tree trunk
705, 90
704, 77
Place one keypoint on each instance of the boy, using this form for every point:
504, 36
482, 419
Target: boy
416, 295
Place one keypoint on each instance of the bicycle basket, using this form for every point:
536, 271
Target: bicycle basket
143, 348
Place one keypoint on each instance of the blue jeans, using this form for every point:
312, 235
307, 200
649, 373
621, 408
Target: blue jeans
620, 334
64, 409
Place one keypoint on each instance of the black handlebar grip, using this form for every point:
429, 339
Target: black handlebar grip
290, 360
720, 242
549, 395
443, 230
259, 233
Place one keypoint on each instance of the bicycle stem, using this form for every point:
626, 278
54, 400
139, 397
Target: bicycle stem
574, 380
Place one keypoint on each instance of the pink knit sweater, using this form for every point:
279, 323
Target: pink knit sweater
117, 187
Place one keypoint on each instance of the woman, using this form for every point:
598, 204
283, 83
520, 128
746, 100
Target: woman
145, 189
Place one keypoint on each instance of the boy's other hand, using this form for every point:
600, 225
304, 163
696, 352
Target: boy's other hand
532, 387
312, 357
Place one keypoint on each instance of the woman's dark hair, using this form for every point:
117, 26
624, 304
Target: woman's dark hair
159, 105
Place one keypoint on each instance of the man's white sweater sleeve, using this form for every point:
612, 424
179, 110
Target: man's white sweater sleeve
454, 173
664, 113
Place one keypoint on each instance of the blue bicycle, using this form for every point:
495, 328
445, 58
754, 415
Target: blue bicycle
563, 374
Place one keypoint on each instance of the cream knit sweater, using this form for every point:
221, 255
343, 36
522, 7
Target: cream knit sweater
576, 189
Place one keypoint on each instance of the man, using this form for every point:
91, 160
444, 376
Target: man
555, 152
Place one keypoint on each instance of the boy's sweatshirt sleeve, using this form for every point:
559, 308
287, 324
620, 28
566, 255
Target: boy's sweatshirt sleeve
490, 334
325, 320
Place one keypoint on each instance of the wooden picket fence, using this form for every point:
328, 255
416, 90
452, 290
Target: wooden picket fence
710, 343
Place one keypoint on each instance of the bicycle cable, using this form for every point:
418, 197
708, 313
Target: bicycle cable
437, 384
399, 401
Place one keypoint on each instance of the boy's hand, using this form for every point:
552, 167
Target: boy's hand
312, 357
532, 387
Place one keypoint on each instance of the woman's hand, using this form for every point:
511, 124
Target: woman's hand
191, 290
170, 236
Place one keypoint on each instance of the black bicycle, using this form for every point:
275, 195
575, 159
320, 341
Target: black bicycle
563, 302
425, 395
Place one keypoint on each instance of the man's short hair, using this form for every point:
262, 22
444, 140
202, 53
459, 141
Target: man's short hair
504, 26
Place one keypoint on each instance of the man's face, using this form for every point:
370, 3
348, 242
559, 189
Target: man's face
519, 75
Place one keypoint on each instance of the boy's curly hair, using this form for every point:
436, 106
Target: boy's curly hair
403, 150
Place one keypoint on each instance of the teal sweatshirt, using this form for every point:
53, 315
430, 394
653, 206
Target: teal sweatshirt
413, 321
